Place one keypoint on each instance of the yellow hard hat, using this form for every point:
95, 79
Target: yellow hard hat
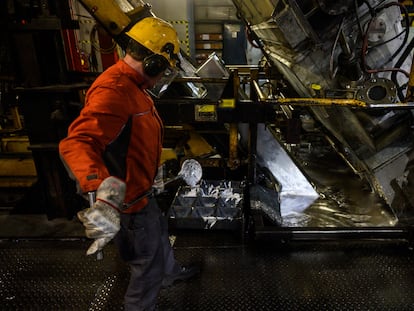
158, 36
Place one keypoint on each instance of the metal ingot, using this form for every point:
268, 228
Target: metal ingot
228, 208
182, 206
205, 206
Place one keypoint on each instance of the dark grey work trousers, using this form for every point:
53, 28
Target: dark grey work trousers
143, 242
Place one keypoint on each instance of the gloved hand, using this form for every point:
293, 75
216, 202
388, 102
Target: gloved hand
102, 221
158, 185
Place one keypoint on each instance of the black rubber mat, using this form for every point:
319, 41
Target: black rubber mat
56, 275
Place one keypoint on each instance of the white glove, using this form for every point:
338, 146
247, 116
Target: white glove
102, 221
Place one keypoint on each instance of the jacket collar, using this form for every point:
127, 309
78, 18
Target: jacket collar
131, 72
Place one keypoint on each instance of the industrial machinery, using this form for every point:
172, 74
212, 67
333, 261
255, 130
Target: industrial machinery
335, 84
336, 79
347, 67
341, 72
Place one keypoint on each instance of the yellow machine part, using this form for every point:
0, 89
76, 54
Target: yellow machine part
16, 173
18, 144
196, 146
109, 14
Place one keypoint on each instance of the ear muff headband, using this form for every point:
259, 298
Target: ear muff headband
154, 64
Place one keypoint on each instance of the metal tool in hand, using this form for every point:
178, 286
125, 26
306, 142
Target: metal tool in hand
92, 199
191, 172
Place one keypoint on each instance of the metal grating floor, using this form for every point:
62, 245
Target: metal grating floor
56, 275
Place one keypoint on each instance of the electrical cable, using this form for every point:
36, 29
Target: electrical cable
364, 49
406, 30
97, 47
332, 73
399, 63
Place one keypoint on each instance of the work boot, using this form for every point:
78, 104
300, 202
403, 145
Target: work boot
185, 273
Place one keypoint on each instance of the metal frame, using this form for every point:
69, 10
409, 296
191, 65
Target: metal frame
257, 109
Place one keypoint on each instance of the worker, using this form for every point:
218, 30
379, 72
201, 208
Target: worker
114, 148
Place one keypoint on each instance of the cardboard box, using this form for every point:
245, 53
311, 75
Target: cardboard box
209, 46
209, 37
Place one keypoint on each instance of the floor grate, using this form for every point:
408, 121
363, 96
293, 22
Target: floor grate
57, 275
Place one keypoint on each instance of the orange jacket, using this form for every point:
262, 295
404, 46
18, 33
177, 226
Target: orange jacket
121, 118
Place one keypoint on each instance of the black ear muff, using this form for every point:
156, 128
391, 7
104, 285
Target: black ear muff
155, 64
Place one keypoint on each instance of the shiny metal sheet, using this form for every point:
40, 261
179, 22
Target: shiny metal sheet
297, 192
